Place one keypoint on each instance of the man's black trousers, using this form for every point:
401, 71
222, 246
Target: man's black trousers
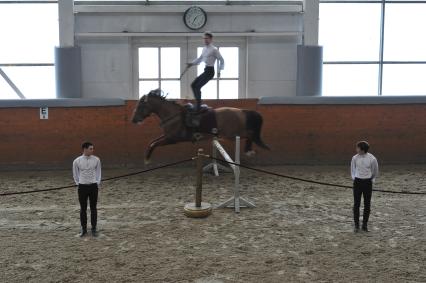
362, 187
200, 81
90, 192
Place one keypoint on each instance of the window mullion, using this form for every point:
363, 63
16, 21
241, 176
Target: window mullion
217, 83
159, 67
381, 50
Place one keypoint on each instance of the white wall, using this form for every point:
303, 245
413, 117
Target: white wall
106, 68
272, 67
107, 61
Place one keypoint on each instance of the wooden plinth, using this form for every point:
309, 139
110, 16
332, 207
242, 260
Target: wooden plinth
192, 211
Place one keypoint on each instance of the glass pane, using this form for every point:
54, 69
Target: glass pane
230, 55
146, 86
33, 82
404, 79
350, 32
200, 68
209, 91
170, 62
148, 63
29, 33
405, 38
228, 89
6, 92
171, 88
350, 80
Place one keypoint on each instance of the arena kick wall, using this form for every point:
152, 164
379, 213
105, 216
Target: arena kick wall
297, 133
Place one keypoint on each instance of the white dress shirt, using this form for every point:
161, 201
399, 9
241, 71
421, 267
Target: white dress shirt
87, 170
209, 55
364, 166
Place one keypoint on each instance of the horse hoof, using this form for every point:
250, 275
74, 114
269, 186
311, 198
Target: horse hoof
250, 153
147, 161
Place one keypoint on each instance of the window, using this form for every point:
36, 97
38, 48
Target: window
29, 35
350, 79
373, 48
159, 67
404, 33
351, 48
227, 86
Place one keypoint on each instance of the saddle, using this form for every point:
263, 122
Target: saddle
200, 122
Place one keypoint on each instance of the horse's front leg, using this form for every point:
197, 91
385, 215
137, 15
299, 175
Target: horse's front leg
157, 142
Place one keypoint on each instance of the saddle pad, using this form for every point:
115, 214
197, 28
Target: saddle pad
208, 122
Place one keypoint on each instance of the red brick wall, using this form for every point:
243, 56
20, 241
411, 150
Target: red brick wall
298, 134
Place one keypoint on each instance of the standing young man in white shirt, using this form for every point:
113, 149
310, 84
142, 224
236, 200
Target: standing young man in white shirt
209, 56
87, 176
364, 170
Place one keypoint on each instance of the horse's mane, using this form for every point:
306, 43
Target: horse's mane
158, 93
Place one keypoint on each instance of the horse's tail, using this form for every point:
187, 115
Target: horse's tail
254, 123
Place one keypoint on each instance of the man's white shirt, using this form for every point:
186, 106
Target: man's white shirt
209, 55
364, 166
87, 170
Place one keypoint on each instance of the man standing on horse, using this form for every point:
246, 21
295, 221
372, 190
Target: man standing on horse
209, 55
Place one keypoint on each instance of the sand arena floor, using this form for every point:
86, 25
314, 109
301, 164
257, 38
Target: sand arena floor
297, 233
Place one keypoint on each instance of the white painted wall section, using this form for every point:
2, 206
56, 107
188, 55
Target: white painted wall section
107, 62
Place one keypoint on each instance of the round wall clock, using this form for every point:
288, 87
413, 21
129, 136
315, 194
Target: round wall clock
195, 18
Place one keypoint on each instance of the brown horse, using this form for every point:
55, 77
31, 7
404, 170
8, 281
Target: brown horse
223, 122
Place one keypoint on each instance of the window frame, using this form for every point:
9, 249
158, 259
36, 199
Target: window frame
3, 75
381, 62
144, 42
188, 52
158, 79
218, 80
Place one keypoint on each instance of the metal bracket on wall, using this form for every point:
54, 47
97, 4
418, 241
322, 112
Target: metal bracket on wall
11, 84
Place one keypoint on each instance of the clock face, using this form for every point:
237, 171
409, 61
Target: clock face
195, 18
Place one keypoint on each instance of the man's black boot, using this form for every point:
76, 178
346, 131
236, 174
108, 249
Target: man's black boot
356, 228
364, 227
83, 232
94, 232
198, 106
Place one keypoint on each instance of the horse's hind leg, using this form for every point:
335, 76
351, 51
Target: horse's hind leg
248, 148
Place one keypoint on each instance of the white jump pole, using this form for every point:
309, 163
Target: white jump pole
236, 201
214, 165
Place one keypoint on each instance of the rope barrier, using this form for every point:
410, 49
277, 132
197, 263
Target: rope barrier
221, 160
103, 180
310, 181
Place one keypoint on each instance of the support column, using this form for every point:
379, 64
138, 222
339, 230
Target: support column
309, 70
67, 56
311, 22
309, 55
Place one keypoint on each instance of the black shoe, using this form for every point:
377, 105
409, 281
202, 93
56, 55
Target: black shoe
364, 228
83, 233
356, 228
94, 233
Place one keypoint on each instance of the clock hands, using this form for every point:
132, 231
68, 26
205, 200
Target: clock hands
194, 19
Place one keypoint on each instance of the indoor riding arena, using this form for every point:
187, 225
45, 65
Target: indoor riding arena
212, 141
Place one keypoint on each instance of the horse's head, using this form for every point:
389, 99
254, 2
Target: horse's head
153, 102
143, 110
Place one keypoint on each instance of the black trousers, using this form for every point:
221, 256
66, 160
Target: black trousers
362, 187
90, 192
201, 81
